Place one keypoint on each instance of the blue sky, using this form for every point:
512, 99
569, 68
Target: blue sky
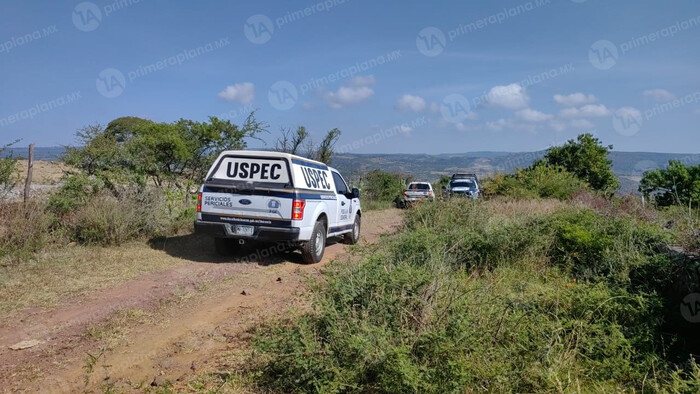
394, 76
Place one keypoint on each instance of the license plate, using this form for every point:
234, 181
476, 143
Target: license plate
242, 230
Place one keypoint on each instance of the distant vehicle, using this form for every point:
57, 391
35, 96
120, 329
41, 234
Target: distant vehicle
463, 187
276, 197
416, 191
464, 176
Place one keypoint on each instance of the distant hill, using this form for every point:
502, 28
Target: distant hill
40, 153
628, 166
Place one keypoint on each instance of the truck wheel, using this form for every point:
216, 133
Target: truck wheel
352, 237
225, 246
312, 250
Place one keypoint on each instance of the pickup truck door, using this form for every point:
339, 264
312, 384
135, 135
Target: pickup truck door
344, 205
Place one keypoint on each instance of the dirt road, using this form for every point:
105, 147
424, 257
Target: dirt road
165, 326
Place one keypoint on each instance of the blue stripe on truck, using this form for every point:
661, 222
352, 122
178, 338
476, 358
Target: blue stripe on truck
340, 228
274, 193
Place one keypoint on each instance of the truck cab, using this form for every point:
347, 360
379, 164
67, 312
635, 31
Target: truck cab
276, 197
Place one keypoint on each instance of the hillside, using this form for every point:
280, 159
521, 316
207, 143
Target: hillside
628, 166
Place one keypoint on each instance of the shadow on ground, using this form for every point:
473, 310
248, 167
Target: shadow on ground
200, 248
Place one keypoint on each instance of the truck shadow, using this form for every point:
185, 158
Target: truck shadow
200, 249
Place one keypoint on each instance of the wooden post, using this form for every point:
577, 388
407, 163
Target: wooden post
30, 170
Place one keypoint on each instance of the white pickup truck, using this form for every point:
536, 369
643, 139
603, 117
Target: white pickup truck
276, 197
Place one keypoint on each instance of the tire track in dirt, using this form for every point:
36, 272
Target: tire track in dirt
185, 334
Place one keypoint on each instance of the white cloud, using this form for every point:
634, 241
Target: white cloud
435, 108
628, 113
530, 115
408, 102
356, 91
405, 129
574, 99
582, 124
557, 125
348, 95
244, 93
587, 111
511, 96
361, 81
659, 94
498, 125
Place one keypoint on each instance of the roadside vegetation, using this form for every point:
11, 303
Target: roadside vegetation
549, 284
501, 295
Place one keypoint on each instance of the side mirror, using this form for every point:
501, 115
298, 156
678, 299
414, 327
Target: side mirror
355, 192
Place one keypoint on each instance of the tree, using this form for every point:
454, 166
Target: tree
378, 185
132, 150
294, 142
124, 128
678, 184
586, 158
8, 174
324, 152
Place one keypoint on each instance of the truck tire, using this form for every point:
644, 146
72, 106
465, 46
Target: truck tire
312, 250
352, 237
225, 246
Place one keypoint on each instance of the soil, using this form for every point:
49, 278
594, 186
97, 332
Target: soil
185, 316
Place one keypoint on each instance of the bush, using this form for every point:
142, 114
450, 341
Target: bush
108, 220
382, 186
677, 184
551, 298
540, 181
8, 175
587, 159
24, 229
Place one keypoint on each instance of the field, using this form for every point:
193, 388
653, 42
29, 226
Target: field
526, 294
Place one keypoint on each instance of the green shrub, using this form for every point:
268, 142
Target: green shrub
76, 191
593, 246
382, 186
108, 220
553, 298
8, 176
24, 229
541, 181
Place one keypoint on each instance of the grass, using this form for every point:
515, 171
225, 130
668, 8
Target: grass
373, 205
63, 272
498, 295
44, 172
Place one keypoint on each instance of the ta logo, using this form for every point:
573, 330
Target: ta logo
431, 41
87, 16
110, 82
690, 308
627, 121
282, 95
455, 108
258, 29
603, 54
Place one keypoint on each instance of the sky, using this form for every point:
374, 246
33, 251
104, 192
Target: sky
394, 76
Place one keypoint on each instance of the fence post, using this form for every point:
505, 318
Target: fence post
30, 170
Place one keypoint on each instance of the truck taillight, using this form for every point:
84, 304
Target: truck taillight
405, 192
199, 202
430, 193
298, 209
